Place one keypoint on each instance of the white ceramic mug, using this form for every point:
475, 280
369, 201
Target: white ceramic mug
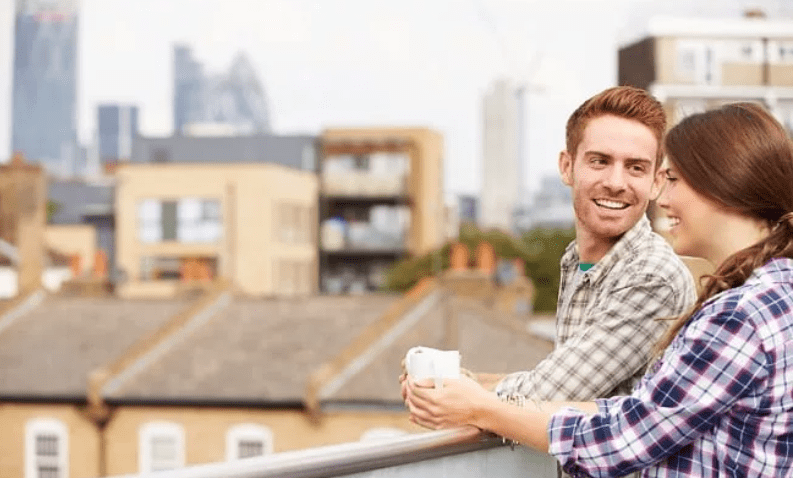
426, 362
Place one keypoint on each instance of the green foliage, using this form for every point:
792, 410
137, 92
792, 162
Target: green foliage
52, 208
546, 247
541, 250
404, 274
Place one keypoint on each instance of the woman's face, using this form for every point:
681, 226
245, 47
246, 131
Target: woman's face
693, 219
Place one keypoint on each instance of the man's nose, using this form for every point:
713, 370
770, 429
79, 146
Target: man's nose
616, 178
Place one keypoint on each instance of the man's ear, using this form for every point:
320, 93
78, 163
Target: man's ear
566, 167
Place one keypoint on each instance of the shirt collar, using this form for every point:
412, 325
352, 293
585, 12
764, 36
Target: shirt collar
626, 245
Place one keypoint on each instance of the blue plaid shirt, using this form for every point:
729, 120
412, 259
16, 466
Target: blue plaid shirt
718, 403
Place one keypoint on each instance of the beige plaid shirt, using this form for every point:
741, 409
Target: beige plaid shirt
605, 319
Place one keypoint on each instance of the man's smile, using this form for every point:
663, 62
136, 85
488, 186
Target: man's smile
610, 204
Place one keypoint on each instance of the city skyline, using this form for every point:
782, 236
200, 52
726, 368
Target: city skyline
356, 63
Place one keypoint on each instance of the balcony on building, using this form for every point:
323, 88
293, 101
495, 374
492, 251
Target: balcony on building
380, 202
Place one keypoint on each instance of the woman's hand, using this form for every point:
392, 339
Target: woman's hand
403, 377
460, 402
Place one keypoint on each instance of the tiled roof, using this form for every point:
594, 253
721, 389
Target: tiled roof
485, 344
50, 351
256, 350
252, 351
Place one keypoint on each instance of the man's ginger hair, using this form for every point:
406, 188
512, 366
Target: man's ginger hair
624, 102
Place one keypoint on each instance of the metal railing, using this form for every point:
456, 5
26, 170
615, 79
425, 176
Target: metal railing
457, 452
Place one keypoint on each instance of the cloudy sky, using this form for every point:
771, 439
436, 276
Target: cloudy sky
327, 63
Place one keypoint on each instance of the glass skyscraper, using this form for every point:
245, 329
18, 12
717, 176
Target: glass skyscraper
44, 108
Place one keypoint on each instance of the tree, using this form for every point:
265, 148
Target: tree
541, 250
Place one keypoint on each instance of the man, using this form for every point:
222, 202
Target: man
618, 276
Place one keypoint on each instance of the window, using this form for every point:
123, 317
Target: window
698, 62
149, 221
746, 51
188, 220
780, 52
46, 449
161, 446
248, 440
361, 162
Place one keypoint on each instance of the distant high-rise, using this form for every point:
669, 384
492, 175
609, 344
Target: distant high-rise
228, 103
44, 111
500, 156
117, 125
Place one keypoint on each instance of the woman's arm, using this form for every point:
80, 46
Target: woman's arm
464, 402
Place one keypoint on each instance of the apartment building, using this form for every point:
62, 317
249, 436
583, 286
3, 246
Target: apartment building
185, 224
380, 200
691, 65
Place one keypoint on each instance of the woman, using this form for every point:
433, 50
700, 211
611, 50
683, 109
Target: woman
718, 399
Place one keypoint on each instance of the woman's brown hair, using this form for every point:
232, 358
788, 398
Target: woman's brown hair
739, 157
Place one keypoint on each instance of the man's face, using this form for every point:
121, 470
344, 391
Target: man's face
612, 176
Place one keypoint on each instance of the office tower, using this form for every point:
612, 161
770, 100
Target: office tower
230, 103
500, 155
117, 126
44, 110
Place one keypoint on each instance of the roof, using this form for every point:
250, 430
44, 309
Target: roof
296, 151
252, 351
720, 27
77, 200
485, 345
256, 350
50, 351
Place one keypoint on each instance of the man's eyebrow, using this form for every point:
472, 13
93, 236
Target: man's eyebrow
607, 155
597, 153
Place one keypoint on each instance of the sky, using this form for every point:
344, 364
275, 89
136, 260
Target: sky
337, 63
